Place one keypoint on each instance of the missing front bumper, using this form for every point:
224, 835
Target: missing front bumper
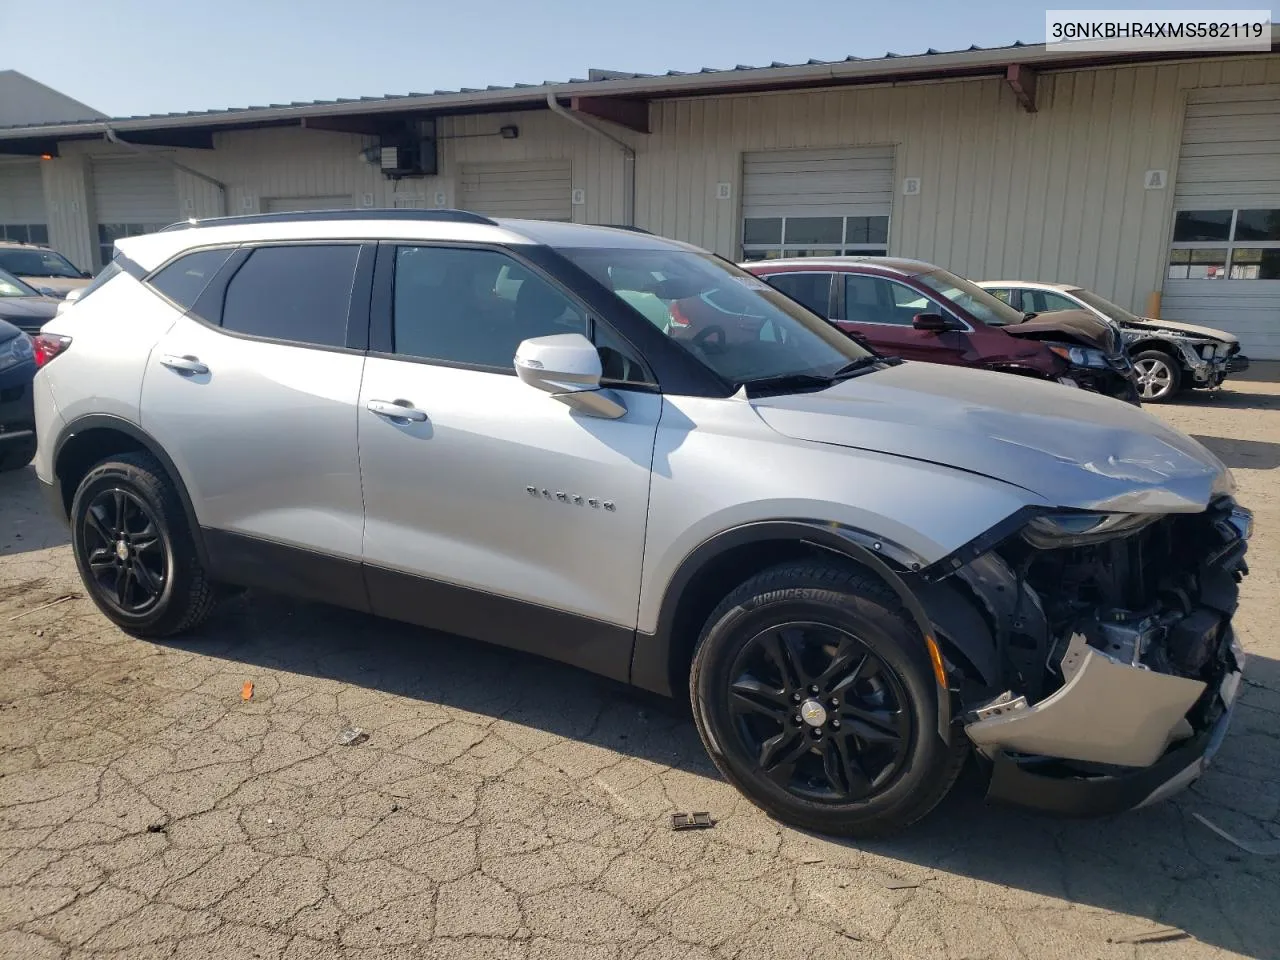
1055, 785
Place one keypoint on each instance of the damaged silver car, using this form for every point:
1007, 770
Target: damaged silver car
1168, 356
861, 570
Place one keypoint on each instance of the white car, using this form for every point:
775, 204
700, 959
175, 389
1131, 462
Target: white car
1168, 356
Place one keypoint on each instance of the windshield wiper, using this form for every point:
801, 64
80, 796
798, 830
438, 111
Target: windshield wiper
787, 381
854, 366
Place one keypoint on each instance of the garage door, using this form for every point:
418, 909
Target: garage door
1224, 264
816, 202
22, 212
132, 195
293, 204
532, 190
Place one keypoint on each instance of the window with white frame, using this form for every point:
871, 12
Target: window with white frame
770, 238
109, 233
1240, 244
25, 232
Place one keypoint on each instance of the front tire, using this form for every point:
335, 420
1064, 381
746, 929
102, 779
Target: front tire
135, 551
1159, 376
813, 693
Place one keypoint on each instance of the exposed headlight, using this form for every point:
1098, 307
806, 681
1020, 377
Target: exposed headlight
1079, 356
16, 351
1073, 528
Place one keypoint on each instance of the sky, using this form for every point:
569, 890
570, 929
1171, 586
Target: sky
127, 57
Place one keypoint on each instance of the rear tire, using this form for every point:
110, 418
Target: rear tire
17, 456
813, 693
1159, 376
135, 551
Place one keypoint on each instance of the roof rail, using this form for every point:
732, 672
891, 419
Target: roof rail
625, 226
397, 213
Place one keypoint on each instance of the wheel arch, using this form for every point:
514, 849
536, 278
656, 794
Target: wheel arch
1155, 343
660, 661
92, 438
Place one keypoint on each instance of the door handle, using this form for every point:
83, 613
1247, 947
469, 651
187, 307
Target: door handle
396, 410
187, 366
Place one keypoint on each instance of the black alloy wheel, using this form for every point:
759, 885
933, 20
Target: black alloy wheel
125, 553
824, 716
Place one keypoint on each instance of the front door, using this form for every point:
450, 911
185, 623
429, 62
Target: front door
882, 309
253, 396
491, 509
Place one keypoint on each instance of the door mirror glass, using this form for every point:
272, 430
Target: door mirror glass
933, 322
567, 366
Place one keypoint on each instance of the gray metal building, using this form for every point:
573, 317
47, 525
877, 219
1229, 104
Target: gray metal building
1153, 180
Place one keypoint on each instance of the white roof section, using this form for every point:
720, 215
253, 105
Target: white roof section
151, 250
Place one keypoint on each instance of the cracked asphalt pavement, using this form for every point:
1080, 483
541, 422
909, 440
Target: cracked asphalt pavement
507, 807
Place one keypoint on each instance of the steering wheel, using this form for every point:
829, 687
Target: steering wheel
702, 336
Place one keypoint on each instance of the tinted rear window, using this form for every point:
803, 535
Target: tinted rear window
301, 294
185, 279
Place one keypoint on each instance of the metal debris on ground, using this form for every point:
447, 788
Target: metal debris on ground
1159, 935
1267, 848
246, 692
699, 820
44, 606
351, 736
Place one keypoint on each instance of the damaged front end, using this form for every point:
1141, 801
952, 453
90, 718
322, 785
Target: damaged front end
1114, 665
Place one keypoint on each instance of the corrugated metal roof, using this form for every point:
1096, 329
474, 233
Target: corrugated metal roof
615, 82
594, 76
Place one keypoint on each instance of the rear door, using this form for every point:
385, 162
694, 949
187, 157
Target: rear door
882, 309
253, 394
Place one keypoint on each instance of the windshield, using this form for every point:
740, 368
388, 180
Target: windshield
37, 263
731, 321
11, 286
1102, 305
971, 298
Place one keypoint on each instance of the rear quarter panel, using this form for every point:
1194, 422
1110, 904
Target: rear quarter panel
112, 333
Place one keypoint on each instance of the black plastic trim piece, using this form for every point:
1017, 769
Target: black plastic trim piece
250, 561
208, 306
361, 298
102, 421
397, 213
602, 648
946, 566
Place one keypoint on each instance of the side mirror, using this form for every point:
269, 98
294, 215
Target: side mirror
932, 322
567, 366
74, 295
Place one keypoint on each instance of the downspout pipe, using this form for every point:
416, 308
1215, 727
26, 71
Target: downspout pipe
628, 153
114, 137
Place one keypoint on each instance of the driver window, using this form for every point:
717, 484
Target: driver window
473, 306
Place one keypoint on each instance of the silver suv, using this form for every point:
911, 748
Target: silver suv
627, 454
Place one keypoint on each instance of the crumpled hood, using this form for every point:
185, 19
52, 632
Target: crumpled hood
1187, 329
1077, 324
1069, 446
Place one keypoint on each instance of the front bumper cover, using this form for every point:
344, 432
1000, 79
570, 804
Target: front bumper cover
1053, 786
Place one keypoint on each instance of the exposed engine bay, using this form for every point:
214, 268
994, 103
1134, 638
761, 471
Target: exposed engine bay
1113, 637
